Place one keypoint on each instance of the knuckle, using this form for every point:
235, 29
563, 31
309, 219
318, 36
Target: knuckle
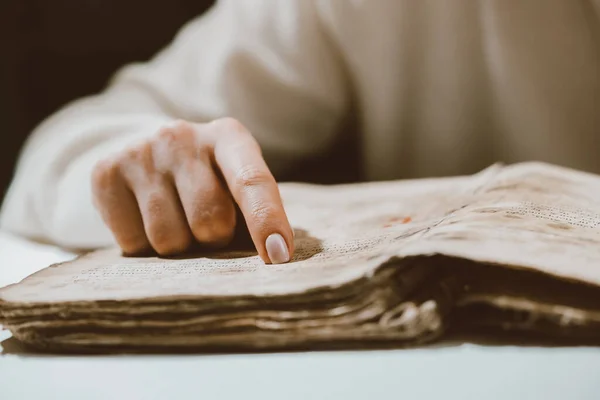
181, 125
175, 128
231, 124
247, 144
173, 132
166, 135
135, 153
156, 206
173, 143
262, 215
216, 224
138, 163
251, 176
163, 232
104, 174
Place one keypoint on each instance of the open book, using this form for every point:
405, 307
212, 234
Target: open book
512, 248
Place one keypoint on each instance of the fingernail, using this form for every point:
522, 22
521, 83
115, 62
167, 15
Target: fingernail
277, 249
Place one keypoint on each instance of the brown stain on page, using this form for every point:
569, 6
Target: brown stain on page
397, 220
561, 226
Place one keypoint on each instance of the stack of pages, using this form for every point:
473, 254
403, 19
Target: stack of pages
511, 249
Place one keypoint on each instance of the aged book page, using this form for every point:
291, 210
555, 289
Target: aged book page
342, 233
374, 262
534, 216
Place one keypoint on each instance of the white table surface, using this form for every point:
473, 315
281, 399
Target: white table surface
461, 371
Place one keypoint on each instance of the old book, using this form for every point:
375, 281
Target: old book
512, 248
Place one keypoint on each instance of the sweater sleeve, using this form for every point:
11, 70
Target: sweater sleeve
267, 63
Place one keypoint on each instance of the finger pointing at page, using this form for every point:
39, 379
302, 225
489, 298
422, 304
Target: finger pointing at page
255, 190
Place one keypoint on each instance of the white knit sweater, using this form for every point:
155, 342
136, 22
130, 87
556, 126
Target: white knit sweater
439, 87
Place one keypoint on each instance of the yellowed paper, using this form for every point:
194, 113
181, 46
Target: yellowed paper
373, 263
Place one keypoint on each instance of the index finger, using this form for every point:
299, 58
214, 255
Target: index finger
239, 158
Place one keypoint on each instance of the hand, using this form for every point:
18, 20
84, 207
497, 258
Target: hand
181, 185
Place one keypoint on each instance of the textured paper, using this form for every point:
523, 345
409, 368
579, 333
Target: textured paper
388, 262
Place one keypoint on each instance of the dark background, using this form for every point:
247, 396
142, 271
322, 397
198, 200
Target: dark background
58, 50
